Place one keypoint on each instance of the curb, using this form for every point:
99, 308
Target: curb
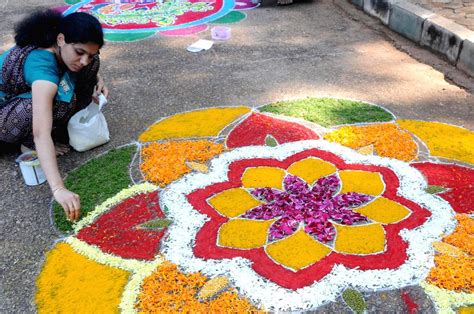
425, 28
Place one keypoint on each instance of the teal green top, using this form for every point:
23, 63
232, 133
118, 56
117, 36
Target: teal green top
41, 64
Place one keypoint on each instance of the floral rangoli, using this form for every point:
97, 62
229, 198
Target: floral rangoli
131, 20
241, 210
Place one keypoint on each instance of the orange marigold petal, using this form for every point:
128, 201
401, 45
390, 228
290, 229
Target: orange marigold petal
168, 290
387, 139
162, 163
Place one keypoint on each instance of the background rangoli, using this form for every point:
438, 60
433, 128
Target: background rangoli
303, 205
131, 20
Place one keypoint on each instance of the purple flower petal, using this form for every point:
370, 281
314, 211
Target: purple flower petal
295, 185
351, 199
263, 212
326, 187
282, 228
322, 231
314, 208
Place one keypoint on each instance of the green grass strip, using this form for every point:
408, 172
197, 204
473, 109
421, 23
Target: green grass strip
355, 300
329, 111
96, 181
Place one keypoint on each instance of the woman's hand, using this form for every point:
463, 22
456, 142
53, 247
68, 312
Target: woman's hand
100, 88
69, 201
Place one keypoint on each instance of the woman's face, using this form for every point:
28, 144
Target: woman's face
76, 56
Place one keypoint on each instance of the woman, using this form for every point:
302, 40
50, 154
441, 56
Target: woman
50, 74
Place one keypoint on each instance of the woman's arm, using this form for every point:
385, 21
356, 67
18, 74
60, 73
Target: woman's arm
100, 88
43, 95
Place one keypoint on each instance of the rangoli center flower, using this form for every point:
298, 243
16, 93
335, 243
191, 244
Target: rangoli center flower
312, 208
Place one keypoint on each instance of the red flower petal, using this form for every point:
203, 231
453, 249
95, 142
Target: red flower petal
117, 232
459, 180
254, 130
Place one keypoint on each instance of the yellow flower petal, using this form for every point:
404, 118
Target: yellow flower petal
244, 233
366, 150
71, 283
297, 251
363, 182
384, 211
361, 239
466, 310
310, 169
262, 177
443, 140
200, 167
213, 287
233, 202
199, 123
448, 249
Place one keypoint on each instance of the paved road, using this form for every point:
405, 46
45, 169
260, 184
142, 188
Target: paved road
308, 49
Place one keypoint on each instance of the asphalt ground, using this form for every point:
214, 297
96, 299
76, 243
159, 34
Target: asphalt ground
312, 48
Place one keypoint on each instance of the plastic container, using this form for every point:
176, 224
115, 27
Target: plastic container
30, 168
220, 33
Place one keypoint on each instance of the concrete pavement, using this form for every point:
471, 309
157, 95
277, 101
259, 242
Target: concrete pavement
312, 48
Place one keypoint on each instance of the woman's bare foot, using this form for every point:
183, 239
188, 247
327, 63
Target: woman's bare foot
61, 149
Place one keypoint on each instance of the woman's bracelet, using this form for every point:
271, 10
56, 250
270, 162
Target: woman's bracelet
58, 189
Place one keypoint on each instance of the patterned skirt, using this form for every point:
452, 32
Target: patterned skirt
16, 115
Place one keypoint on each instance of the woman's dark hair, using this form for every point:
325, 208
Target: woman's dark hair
41, 29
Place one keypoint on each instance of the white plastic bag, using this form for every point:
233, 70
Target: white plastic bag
87, 128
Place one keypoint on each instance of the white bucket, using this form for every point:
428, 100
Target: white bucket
30, 168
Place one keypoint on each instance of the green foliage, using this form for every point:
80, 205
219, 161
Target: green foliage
270, 141
156, 224
96, 181
435, 189
329, 111
355, 300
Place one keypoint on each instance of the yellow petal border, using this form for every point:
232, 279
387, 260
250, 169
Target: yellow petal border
198, 123
443, 140
233, 202
360, 181
384, 210
71, 283
297, 251
243, 233
360, 239
310, 169
261, 177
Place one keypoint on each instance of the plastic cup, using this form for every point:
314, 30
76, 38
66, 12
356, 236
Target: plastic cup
30, 168
220, 33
